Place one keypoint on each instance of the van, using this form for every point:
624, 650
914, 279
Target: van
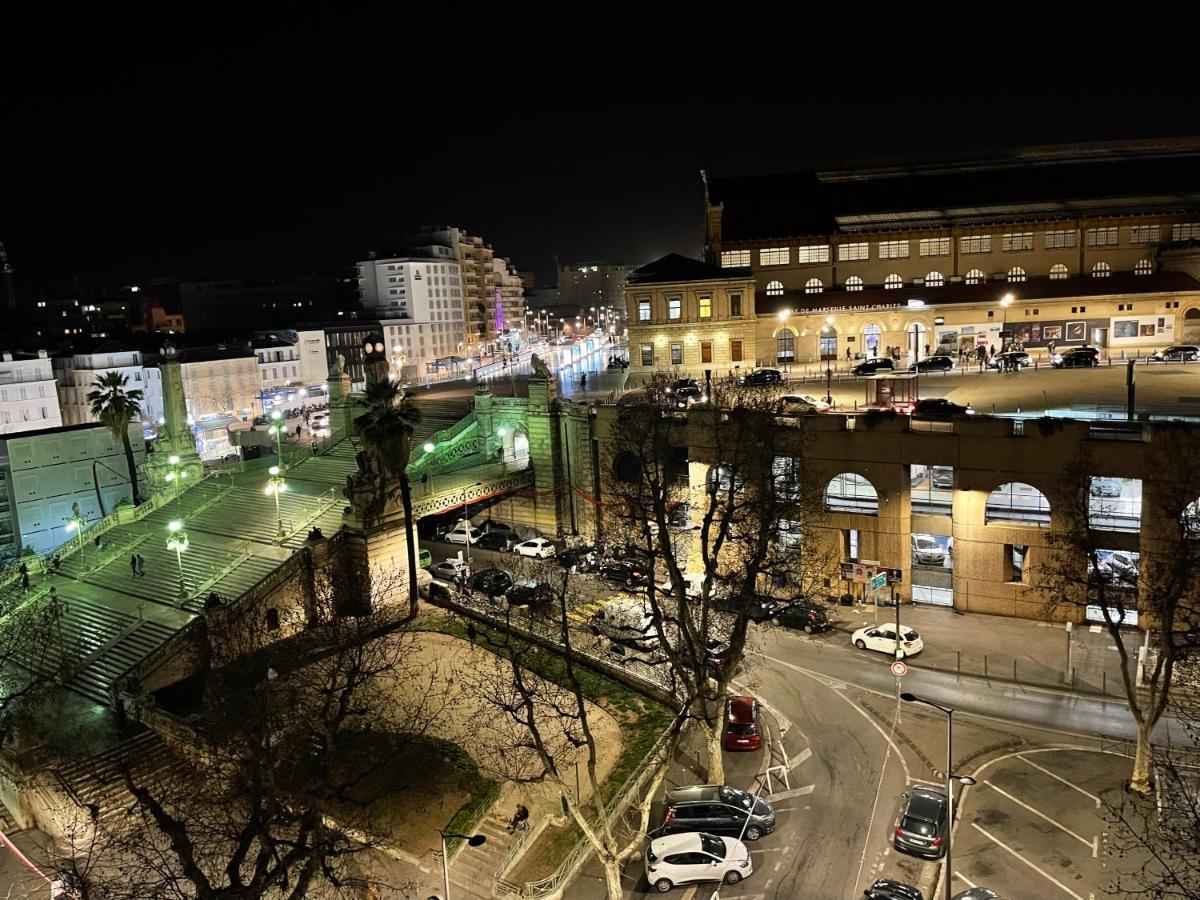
626, 620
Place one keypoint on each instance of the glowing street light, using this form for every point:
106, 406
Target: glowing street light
276, 429
275, 487
177, 540
75, 525
1005, 303
429, 447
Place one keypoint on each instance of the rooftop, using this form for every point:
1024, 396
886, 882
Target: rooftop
675, 268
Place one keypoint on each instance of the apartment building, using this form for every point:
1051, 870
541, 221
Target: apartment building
28, 398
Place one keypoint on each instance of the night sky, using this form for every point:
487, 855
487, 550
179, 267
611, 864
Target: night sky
238, 147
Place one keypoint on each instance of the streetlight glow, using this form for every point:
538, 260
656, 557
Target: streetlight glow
429, 448
173, 460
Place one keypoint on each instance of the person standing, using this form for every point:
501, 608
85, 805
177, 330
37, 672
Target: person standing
133, 564
24, 570
141, 565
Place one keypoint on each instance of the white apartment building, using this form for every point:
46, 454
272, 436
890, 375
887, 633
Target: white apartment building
219, 381
314, 362
77, 374
419, 302
280, 377
28, 398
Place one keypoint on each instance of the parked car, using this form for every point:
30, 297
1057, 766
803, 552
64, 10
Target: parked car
684, 392
538, 548
1102, 486
626, 620
449, 570
940, 408
579, 559
424, 558
760, 377
1120, 567
883, 639
492, 582
491, 526
933, 364
800, 404
761, 608
1177, 353
741, 724
804, 615
977, 893
623, 571
887, 889
463, 532
497, 540
923, 821
927, 552
717, 809
1076, 358
1009, 358
694, 857
531, 593
943, 477
873, 366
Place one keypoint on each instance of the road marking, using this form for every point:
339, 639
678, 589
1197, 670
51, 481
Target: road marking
778, 866
965, 880
799, 758
1060, 778
1044, 874
1091, 845
794, 792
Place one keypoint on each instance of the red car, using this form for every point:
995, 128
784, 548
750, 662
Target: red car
741, 724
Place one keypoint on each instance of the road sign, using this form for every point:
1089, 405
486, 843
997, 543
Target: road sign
899, 669
878, 582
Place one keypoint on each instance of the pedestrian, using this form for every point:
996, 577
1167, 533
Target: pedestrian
297, 432
991, 351
583, 380
518, 819
926, 349
133, 564
847, 354
24, 570
99, 546
53, 594
141, 565
55, 564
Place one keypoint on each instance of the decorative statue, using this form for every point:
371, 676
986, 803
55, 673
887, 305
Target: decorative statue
538, 365
339, 365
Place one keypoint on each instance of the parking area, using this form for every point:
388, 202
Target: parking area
1033, 824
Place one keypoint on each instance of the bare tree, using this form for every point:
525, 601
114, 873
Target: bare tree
1162, 586
29, 639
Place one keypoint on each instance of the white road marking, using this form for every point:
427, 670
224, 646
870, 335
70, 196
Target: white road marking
802, 756
1035, 868
794, 792
1060, 778
1091, 845
778, 866
965, 880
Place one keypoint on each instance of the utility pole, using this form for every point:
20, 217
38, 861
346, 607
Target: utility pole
1129, 392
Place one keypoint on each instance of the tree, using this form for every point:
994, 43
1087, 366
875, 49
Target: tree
1161, 583
115, 407
386, 429
750, 522
30, 640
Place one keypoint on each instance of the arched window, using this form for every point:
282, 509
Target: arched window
1143, 267
813, 286
775, 289
854, 283
1101, 270
785, 345
893, 282
976, 276
1058, 272
1016, 273
1019, 503
850, 492
934, 279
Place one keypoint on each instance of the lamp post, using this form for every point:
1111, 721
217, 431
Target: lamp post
178, 541
275, 487
473, 840
1005, 303
276, 429
76, 524
950, 779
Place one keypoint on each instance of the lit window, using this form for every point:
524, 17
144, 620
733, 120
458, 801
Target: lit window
893, 282
1185, 231
1016, 273
1143, 267
976, 276
854, 283
774, 256
1101, 270
1058, 272
850, 492
1020, 240
643, 310
935, 279
975, 243
1115, 504
813, 286
1102, 237
735, 259
815, 253
1059, 240
647, 354
785, 346
1017, 503
939, 246
706, 307
854, 252
674, 307
1143, 234
893, 249
775, 289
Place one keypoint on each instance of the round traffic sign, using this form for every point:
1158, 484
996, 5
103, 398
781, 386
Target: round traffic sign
899, 669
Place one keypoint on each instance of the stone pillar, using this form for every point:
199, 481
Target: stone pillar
486, 417
551, 494
175, 436
341, 404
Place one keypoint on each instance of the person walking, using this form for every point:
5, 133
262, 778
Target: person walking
141, 565
24, 570
847, 354
133, 564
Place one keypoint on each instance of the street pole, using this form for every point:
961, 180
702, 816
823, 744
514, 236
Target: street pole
445, 870
949, 870
1129, 391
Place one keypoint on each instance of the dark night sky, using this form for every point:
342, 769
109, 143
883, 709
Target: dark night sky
238, 147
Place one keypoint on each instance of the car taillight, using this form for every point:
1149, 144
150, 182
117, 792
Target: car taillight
897, 831
937, 842
670, 817
908, 643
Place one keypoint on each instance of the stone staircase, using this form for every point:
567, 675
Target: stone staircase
473, 869
98, 781
438, 414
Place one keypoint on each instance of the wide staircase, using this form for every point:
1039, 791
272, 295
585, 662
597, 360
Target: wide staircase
98, 782
438, 414
473, 869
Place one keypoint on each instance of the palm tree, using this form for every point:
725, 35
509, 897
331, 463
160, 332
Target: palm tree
116, 407
386, 428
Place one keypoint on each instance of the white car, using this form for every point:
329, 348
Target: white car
801, 403
449, 569
883, 639
694, 857
538, 548
463, 533
927, 551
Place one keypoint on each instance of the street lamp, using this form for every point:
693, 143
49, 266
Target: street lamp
473, 840
1005, 303
948, 871
76, 524
277, 430
178, 541
275, 487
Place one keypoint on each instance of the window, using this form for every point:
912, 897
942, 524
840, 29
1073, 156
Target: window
893, 282
647, 354
893, 249
850, 492
814, 253
813, 286
1019, 504
854, 283
931, 489
1019, 240
735, 259
775, 289
1059, 272
1101, 270
976, 276
674, 306
706, 351
934, 279
1185, 231
1102, 237
1016, 273
939, 246
785, 346
1143, 234
774, 256
735, 351
1014, 562
1059, 240
1143, 267
706, 307
854, 252
975, 243
1114, 569
1115, 504
643, 310
677, 354
735, 304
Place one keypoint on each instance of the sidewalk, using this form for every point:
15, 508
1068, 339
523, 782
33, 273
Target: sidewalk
1006, 649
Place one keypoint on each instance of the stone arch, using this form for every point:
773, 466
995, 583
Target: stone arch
785, 344
1017, 503
851, 492
1191, 326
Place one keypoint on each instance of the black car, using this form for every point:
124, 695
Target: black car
886, 889
497, 540
873, 366
1076, 358
760, 377
761, 608
717, 809
1178, 353
943, 477
1010, 358
922, 828
939, 407
579, 559
492, 582
804, 615
534, 594
685, 391
623, 571
934, 364
491, 526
